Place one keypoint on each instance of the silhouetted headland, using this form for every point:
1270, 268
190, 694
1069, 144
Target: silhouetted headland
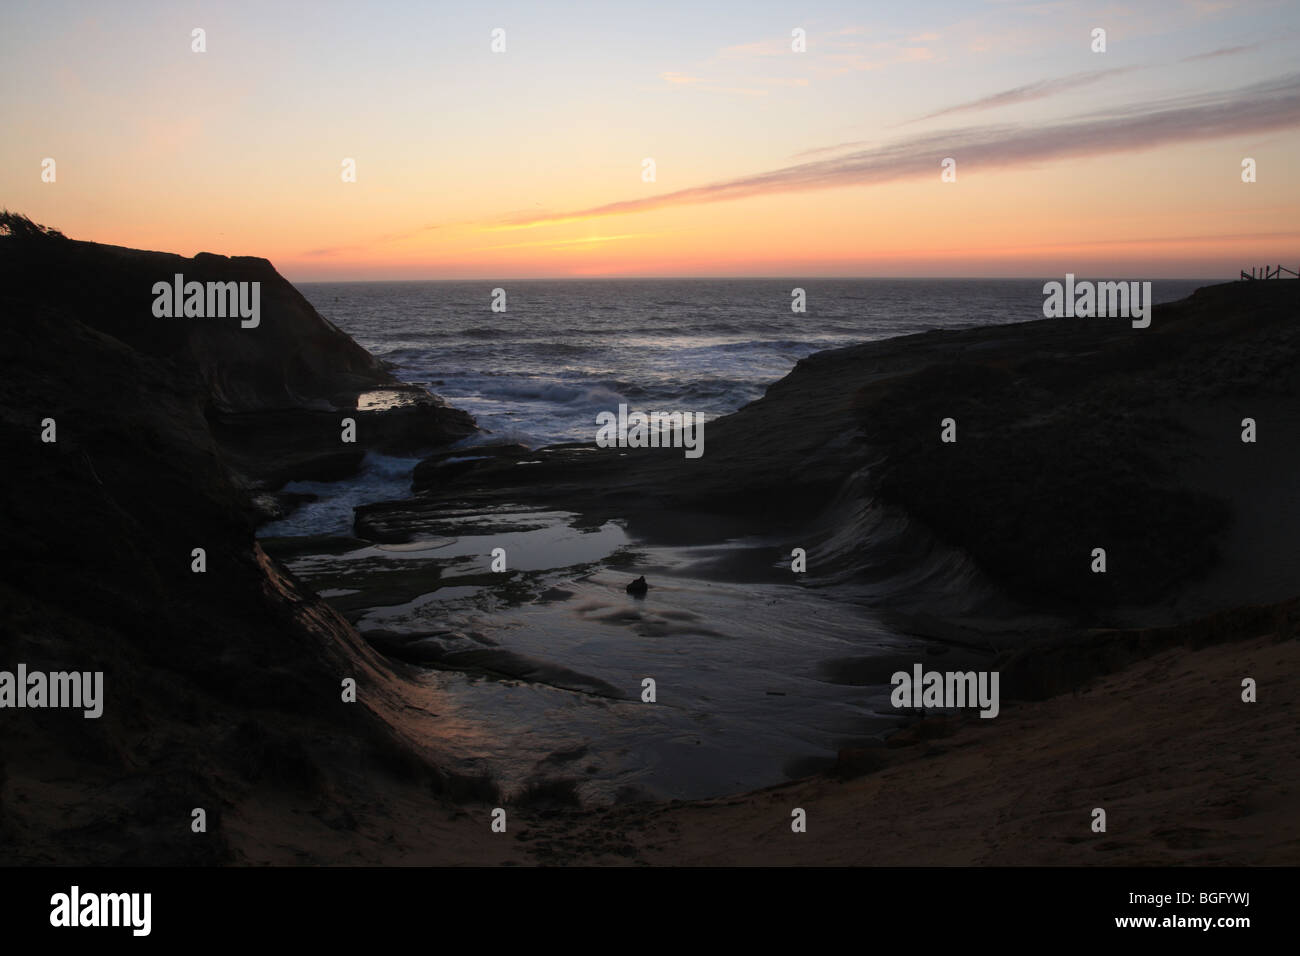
224, 686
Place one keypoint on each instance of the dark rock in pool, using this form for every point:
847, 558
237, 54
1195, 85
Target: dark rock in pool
638, 587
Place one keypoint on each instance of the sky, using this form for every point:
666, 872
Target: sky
767, 160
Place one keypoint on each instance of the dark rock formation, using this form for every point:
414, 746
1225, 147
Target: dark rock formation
444, 466
223, 686
274, 395
1072, 433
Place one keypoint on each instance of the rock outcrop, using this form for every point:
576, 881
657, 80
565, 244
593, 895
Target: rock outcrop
275, 394
1071, 434
222, 683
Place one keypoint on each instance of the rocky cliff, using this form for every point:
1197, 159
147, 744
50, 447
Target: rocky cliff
222, 686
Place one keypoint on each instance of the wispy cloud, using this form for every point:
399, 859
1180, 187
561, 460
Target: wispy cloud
370, 243
1169, 240
1222, 51
759, 48
1260, 107
1030, 91
1209, 8
858, 56
742, 67
749, 85
836, 148
561, 243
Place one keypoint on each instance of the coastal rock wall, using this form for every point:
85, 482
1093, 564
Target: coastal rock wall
1071, 438
222, 686
1071, 434
293, 358
274, 393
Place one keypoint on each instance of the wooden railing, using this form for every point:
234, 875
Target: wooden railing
1268, 272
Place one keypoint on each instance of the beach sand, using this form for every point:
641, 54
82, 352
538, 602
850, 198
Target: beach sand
1187, 773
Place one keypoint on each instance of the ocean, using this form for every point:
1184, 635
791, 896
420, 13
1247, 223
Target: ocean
567, 349
760, 677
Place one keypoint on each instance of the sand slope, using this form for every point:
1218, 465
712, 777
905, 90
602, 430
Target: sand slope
1187, 774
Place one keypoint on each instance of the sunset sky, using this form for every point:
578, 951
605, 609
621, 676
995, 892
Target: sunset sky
768, 161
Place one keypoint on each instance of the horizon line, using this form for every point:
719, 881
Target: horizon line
759, 278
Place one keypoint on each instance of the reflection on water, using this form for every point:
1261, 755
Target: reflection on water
548, 658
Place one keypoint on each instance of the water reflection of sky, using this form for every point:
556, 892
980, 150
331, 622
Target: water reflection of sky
742, 701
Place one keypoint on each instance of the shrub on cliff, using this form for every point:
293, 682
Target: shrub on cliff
14, 225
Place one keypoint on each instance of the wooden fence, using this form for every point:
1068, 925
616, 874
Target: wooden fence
1268, 272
